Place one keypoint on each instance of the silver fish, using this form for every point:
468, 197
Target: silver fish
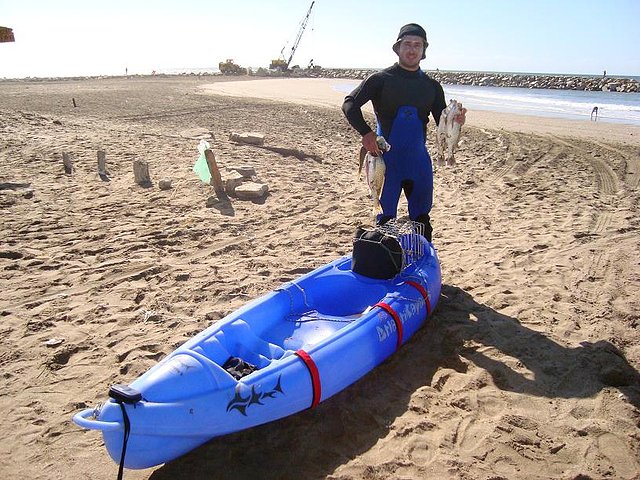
374, 172
448, 132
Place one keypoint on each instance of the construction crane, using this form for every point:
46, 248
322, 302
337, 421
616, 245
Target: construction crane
282, 64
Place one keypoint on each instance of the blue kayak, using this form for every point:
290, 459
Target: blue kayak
280, 354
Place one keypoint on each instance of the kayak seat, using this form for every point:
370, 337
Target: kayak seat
305, 330
239, 340
341, 294
214, 350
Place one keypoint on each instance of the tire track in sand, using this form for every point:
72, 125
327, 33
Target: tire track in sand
606, 179
521, 156
606, 182
631, 160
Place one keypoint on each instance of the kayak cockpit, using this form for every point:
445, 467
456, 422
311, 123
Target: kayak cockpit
297, 316
238, 339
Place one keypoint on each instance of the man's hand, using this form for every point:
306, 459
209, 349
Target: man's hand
370, 144
461, 117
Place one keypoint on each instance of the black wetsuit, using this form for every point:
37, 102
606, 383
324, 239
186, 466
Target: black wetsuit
402, 101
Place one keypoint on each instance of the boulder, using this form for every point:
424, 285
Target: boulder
165, 184
250, 138
197, 133
251, 191
231, 181
246, 171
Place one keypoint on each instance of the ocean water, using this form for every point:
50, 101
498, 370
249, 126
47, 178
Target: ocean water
569, 104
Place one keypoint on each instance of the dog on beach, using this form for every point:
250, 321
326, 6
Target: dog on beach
374, 172
448, 132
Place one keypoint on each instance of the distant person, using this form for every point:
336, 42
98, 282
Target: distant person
403, 96
604, 74
594, 114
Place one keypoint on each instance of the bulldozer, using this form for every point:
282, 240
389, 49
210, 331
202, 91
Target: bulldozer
230, 68
279, 64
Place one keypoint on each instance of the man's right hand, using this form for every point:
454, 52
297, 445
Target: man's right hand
370, 144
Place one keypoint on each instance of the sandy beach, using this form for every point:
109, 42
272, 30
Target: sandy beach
528, 368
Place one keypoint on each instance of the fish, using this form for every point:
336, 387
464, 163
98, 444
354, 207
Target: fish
448, 132
374, 172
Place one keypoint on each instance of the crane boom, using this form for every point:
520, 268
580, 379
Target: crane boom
300, 32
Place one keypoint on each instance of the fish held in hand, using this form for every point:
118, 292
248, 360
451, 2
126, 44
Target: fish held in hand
374, 172
448, 132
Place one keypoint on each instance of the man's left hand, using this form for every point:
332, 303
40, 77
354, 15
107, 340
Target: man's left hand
461, 117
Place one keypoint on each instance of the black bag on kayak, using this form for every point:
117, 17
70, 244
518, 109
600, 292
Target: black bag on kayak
238, 368
376, 254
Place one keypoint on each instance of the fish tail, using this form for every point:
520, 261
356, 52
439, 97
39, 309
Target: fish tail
361, 155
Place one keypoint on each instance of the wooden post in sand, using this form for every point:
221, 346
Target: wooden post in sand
102, 165
141, 173
216, 178
67, 162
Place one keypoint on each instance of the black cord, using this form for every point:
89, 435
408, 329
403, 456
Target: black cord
125, 439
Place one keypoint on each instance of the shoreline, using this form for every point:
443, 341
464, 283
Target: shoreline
319, 91
617, 130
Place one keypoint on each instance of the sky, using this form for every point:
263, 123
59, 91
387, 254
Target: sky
85, 37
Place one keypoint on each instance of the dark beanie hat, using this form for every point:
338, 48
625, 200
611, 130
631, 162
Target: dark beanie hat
411, 29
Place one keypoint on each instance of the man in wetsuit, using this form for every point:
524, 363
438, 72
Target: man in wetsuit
403, 96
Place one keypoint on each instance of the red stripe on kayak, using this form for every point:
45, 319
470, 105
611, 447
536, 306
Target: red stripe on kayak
423, 292
396, 318
315, 376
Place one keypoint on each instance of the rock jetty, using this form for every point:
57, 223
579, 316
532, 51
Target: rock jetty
488, 79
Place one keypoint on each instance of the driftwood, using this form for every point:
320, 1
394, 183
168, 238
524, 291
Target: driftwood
216, 178
67, 163
141, 173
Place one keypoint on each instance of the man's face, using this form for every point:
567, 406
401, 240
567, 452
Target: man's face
410, 52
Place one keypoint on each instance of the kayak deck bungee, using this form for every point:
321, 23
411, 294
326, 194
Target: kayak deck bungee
280, 354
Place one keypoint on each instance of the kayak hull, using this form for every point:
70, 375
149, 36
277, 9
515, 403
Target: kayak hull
308, 340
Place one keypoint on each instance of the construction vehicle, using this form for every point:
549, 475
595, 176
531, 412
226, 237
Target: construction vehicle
230, 68
280, 63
